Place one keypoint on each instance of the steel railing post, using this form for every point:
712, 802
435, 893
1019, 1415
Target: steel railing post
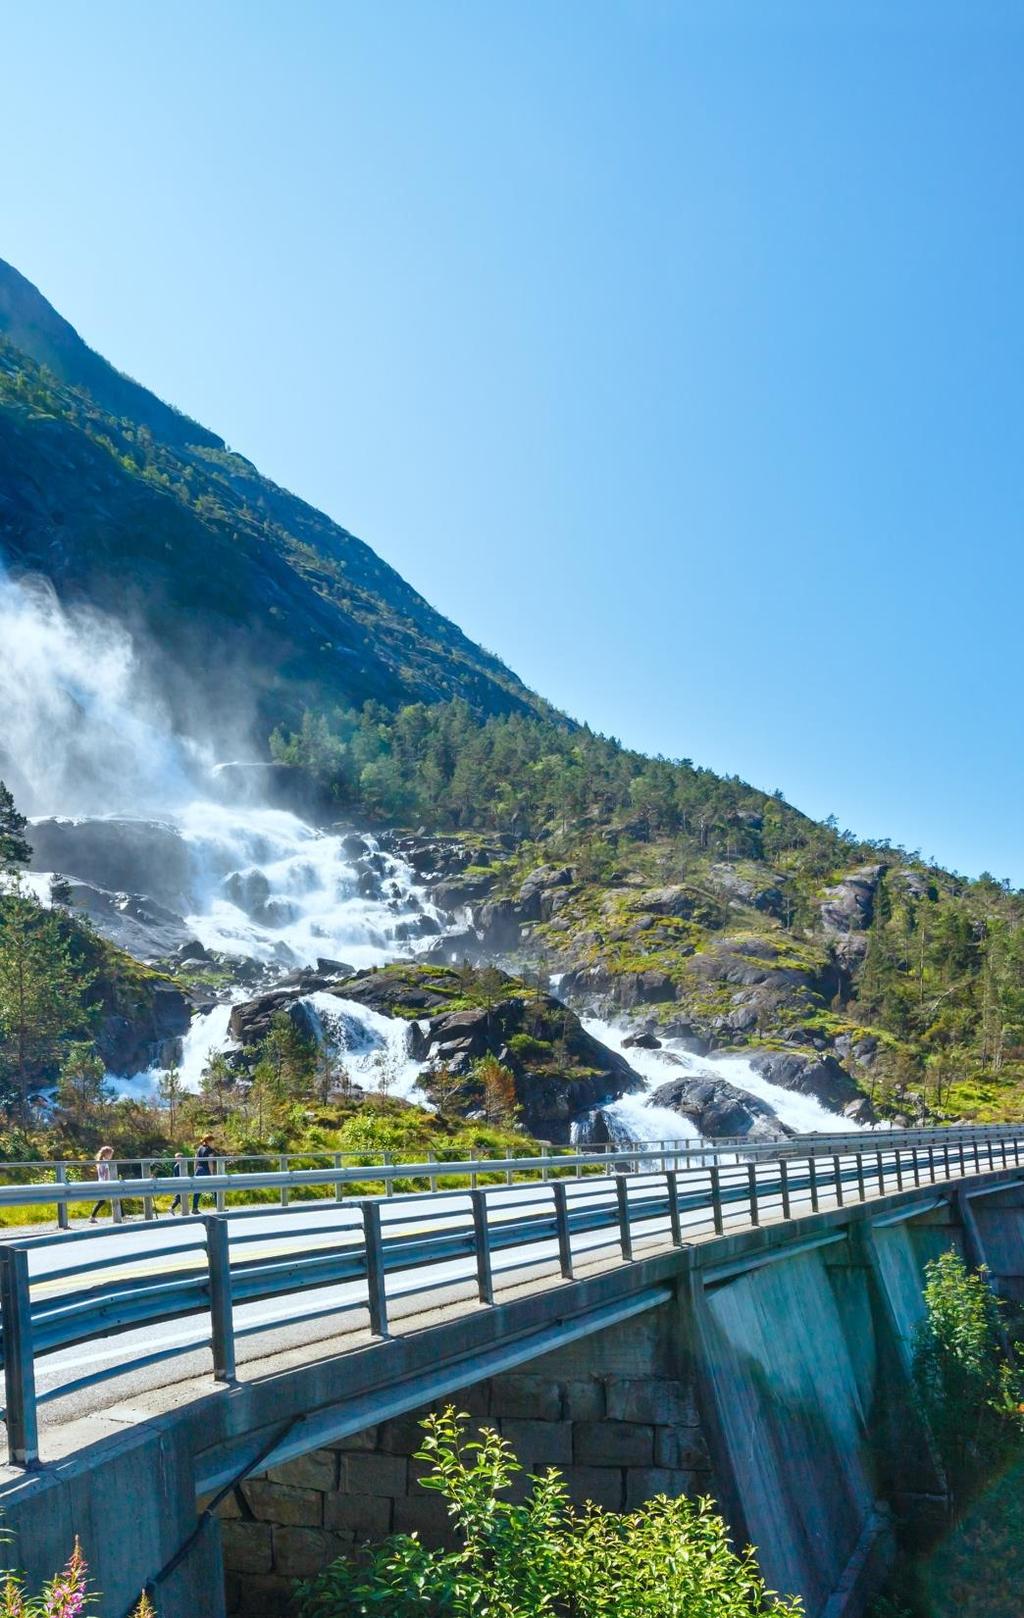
562, 1228
220, 1197
716, 1198
148, 1209
755, 1217
917, 1166
784, 1183
19, 1366
282, 1164
117, 1212
862, 1190
879, 1160
991, 1154
482, 1247
622, 1199
218, 1258
945, 1159
931, 1164
1002, 1147
339, 1185
432, 1158
672, 1185
377, 1294
389, 1184
837, 1169
812, 1168
899, 1169
63, 1220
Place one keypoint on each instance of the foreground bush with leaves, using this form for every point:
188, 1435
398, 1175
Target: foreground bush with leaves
541, 1558
970, 1386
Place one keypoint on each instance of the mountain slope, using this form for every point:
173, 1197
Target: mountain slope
128, 505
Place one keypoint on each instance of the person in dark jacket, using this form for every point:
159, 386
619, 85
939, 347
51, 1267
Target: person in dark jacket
205, 1154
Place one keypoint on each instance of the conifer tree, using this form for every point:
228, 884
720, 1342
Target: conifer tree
15, 850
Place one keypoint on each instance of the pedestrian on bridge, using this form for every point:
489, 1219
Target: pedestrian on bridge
205, 1155
179, 1168
103, 1174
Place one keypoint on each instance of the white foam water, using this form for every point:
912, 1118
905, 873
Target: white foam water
641, 1121
373, 1049
268, 886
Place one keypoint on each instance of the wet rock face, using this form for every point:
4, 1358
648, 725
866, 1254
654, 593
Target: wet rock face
131, 1037
134, 922
264, 784
716, 1107
813, 1074
123, 856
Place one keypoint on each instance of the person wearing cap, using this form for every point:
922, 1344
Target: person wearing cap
205, 1154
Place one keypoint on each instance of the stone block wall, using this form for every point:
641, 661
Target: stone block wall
607, 1412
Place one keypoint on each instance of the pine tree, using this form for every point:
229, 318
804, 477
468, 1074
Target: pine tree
82, 1087
171, 1090
15, 850
41, 992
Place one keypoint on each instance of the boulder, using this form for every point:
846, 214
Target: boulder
717, 1107
815, 1075
645, 1041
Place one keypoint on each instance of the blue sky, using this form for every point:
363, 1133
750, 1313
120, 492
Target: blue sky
673, 349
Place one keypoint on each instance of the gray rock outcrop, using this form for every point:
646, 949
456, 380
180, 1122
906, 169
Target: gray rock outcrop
717, 1107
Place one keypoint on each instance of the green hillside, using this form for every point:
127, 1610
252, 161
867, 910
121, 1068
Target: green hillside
229, 582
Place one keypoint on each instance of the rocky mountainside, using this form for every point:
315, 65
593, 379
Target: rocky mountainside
230, 584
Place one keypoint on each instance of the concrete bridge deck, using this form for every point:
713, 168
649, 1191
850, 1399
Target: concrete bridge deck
329, 1318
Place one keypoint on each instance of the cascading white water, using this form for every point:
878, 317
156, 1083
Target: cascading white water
270, 887
372, 1048
641, 1121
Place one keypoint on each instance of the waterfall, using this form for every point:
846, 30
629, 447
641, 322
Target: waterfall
641, 1121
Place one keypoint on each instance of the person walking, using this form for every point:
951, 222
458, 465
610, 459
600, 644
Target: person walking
179, 1168
103, 1175
205, 1155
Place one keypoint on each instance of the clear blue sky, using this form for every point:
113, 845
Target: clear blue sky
673, 349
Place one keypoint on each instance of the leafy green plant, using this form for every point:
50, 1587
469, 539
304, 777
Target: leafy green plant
540, 1558
970, 1389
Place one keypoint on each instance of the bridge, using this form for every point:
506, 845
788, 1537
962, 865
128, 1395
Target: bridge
734, 1317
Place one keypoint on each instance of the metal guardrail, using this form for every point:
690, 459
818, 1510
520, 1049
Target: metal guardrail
723, 1148
566, 1211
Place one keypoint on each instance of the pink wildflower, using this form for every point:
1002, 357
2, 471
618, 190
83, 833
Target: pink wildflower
66, 1596
13, 1599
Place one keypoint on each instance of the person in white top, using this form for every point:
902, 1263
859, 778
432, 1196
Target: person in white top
103, 1173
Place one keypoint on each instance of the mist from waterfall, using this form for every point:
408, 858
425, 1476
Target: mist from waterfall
82, 729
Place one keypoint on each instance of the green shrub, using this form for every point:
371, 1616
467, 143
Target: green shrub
969, 1388
541, 1558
